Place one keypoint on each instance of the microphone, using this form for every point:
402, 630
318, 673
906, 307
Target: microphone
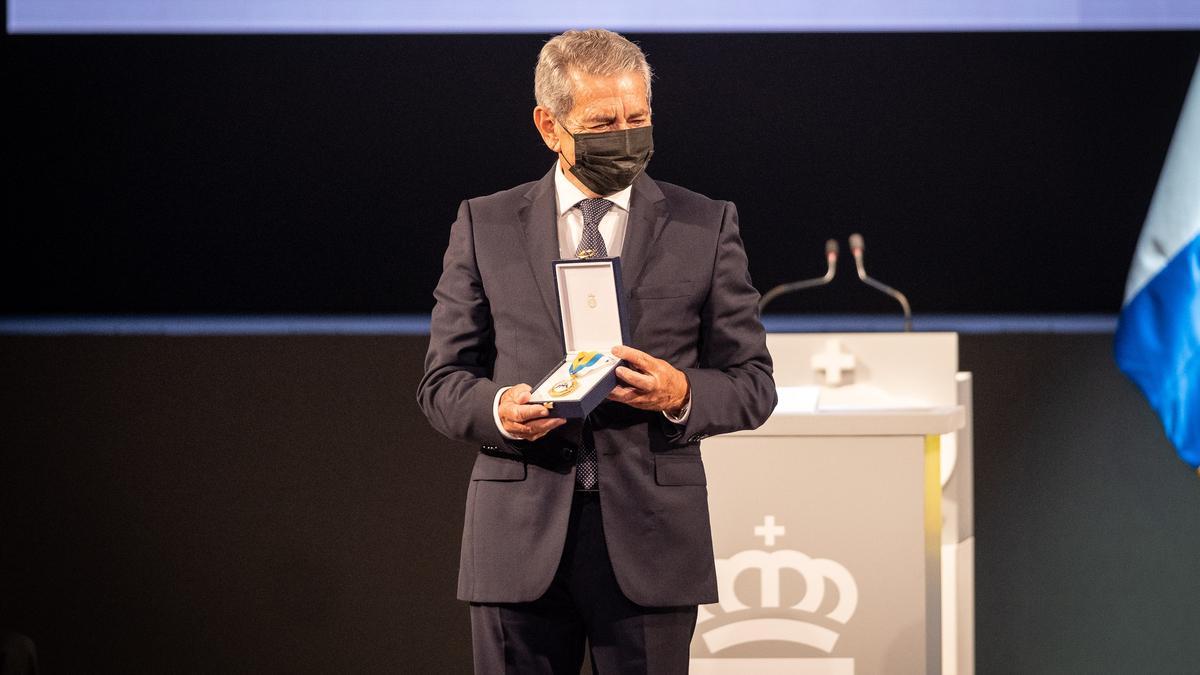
857, 246
831, 256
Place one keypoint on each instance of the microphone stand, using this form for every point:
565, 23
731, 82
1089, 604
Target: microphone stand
831, 255
857, 246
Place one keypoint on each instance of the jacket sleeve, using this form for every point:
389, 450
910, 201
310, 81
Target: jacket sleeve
456, 392
732, 386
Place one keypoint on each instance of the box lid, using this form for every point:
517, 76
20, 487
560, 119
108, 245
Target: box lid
591, 303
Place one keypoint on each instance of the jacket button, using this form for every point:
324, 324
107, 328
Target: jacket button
568, 453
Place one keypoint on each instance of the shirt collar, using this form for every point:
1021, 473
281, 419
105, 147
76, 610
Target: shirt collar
568, 195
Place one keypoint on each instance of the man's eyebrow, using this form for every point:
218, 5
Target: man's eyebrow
600, 117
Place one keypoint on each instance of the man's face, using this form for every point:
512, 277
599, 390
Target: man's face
602, 103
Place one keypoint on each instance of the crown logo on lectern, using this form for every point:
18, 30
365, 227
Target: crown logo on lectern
740, 623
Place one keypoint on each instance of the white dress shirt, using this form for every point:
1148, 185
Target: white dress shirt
570, 231
570, 218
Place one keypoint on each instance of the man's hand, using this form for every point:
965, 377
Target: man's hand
653, 384
527, 422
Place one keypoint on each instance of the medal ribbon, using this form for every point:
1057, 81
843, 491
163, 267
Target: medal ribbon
584, 360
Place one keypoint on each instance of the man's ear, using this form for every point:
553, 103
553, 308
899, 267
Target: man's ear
545, 126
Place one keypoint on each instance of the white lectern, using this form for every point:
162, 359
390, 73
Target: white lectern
841, 527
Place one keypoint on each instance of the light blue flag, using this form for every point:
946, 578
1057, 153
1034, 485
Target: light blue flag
1158, 335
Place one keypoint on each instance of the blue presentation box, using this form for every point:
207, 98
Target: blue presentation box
592, 319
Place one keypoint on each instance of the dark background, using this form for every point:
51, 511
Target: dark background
278, 503
990, 172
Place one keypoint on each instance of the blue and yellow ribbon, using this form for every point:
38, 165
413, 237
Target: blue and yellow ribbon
584, 360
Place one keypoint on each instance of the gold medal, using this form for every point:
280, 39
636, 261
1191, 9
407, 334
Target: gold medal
560, 389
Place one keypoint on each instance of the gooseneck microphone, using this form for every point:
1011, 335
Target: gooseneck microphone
831, 256
857, 246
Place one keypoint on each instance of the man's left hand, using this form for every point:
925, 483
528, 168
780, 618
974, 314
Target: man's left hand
652, 384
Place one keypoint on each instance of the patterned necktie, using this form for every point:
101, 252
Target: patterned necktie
587, 469
591, 244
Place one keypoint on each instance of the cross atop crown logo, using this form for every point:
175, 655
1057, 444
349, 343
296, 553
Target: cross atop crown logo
766, 617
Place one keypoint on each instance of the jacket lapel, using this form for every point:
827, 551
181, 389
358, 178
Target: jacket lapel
539, 225
647, 217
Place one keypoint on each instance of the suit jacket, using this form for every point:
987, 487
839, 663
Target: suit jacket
496, 323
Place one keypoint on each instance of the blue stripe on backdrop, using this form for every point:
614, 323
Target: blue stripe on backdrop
1158, 347
397, 324
418, 324
523, 16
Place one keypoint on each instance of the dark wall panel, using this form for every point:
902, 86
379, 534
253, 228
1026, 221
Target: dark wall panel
279, 504
212, 505
990, 172
1086, 521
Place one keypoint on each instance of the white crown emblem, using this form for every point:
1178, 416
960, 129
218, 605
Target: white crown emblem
740, 623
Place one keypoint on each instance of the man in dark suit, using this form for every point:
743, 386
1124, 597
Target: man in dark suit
592, 531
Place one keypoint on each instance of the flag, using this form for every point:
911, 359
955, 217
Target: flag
1158, 334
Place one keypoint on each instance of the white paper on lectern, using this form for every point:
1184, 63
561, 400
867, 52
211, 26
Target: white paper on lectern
797, 400
866, 397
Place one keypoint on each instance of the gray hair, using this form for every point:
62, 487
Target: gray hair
594, 52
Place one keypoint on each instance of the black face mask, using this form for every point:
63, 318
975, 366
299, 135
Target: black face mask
607, 162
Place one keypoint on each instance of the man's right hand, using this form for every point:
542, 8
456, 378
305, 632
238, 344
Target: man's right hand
525, 421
